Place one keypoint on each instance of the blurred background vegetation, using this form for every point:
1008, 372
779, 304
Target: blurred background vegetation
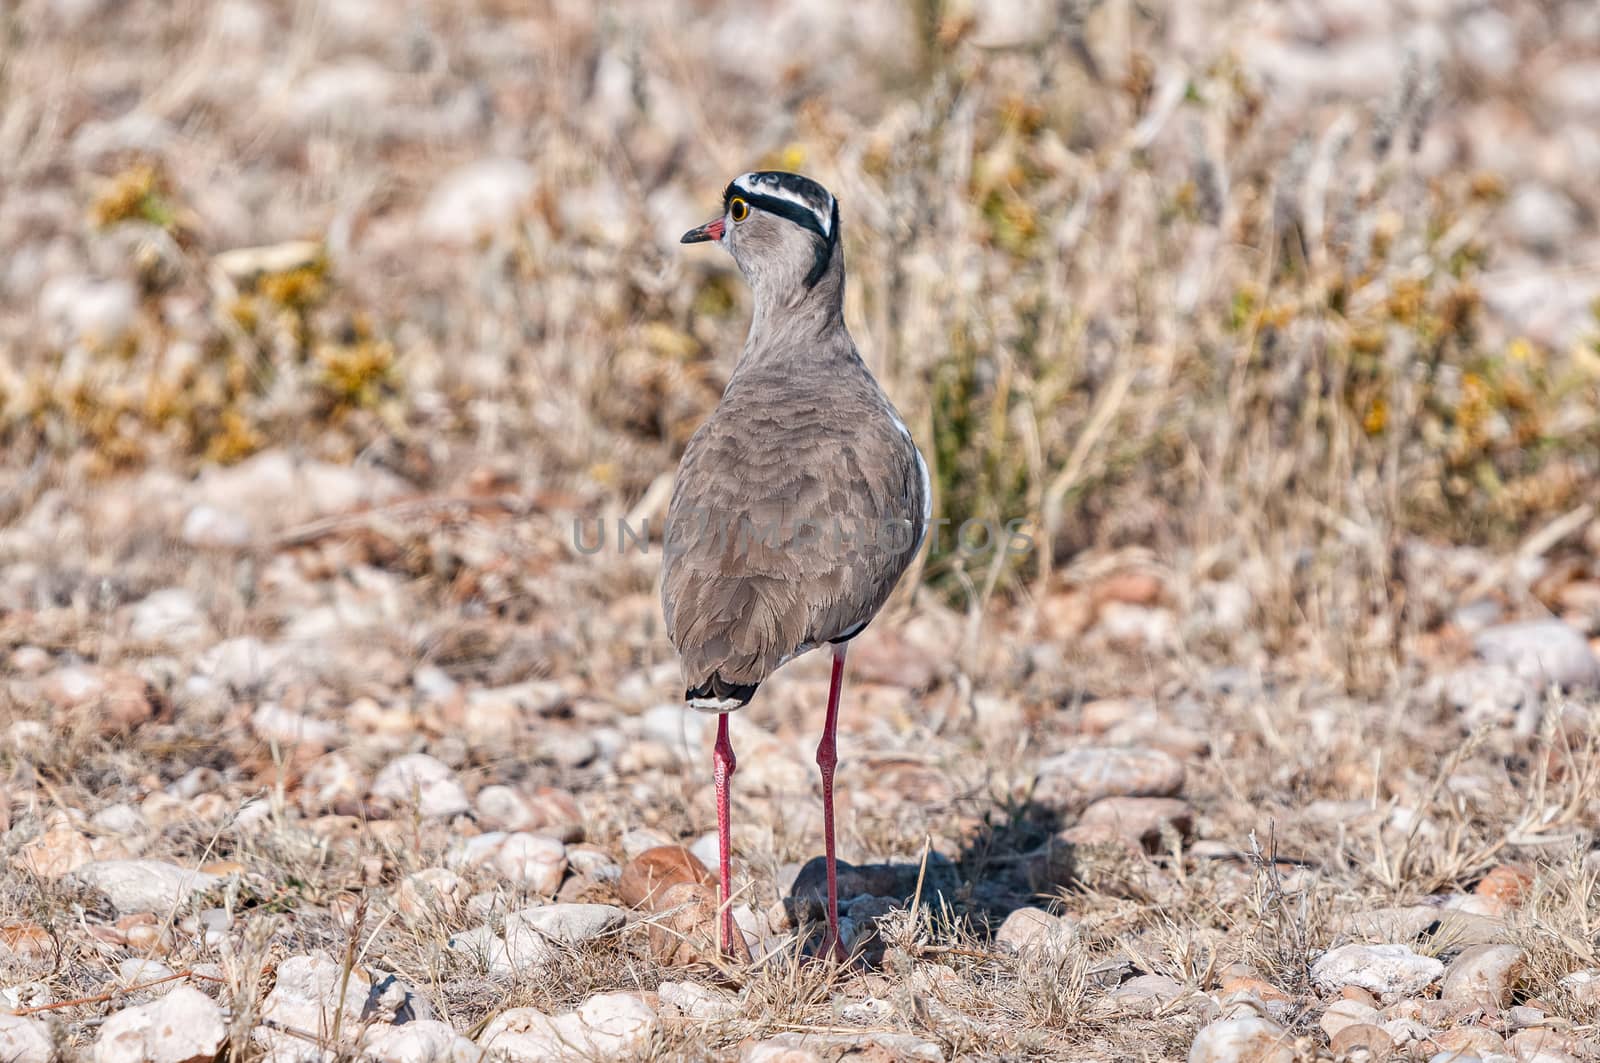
1265, 287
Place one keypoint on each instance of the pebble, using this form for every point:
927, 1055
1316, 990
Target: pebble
774, 1050
24, 1040
57, 852
1343, 1013
1473, 1040
503, 808
306, 996
286, 727
1388, 970
900, 1047
1082, 776
1144, 821
1375, 1040
685, 931
145, 885
1033, 928
435, 892
1145, 993
606, 1026
211, 527
171, 617
1544, 1045
1584, 985
531, 860
96, 313
115, 701
425, 782
477, 200
534, 934
182, 1026
26, 941
652, 872
1507, 884
1542, 652
698, 1002
1484, 975
421, 1041
1247, 1039
138, 971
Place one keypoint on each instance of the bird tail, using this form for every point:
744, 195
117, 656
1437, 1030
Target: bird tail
719, 696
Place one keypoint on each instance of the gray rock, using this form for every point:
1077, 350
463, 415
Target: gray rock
24, 1040
477, 200
307, 996
184, 1026
1033, 928
424, 782
212, 526
1084, 775
423, 1041
1388, 970
145, 885
83, 310
1484, 975
1247, 1039
901, 1047
607, 1026
1543, 652
534, 935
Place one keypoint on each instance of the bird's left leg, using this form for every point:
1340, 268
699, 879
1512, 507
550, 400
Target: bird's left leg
723, 765
827, 759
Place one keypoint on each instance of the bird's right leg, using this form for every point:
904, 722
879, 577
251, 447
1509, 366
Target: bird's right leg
827, 760
723, 765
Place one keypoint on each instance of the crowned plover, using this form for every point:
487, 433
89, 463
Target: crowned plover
802, 500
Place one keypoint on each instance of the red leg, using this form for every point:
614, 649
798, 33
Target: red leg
723, 765
827, 758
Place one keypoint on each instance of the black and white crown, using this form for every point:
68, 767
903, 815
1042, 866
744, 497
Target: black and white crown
789, 195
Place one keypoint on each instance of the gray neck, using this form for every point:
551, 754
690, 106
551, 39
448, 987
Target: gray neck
796, 322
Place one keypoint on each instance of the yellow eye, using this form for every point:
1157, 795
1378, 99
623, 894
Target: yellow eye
738, 208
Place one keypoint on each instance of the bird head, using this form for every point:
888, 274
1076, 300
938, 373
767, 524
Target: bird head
781, 228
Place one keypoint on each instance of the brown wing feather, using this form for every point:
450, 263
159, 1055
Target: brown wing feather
745, 583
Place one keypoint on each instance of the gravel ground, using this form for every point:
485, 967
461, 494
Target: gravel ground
330, 325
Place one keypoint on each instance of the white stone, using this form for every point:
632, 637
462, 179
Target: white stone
423, 1041
477, 200
1248, 1039
424, 782
242, 663
138, 971
1388, 970
184, 1026
1544, 652
342, 94
433, 891
24, 1040
274, 723
172, 617
502, 808
608, 1025
698, 1002
212, 526
83, 310
533, 935
306, 997
532, 860
144, 885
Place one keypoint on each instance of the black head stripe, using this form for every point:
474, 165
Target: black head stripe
797, 199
